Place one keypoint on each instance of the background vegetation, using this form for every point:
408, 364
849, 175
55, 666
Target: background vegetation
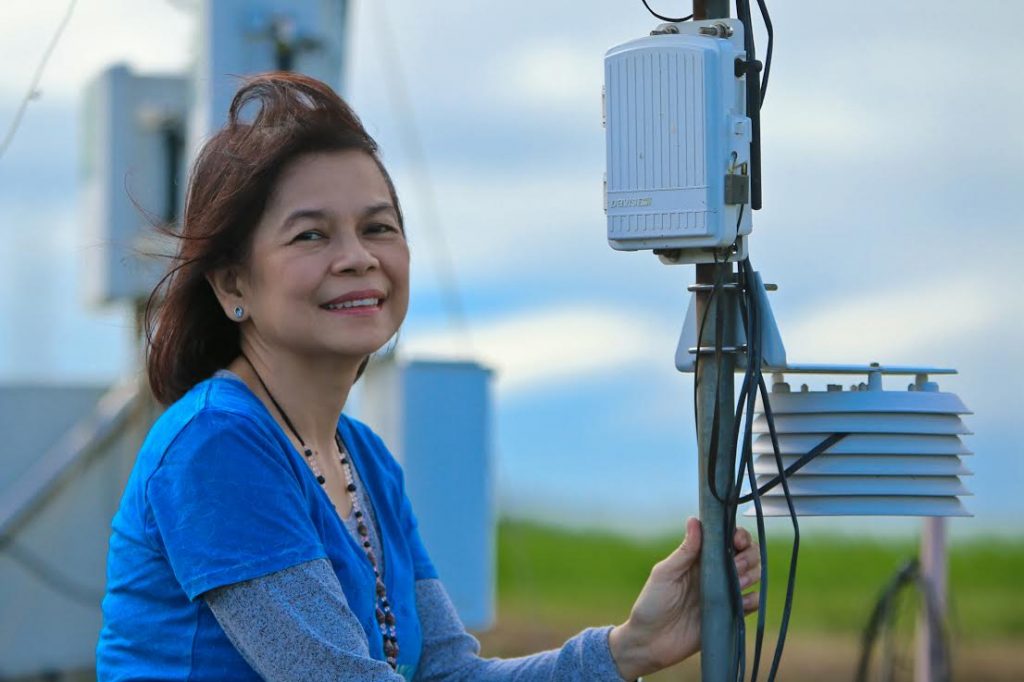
553, 582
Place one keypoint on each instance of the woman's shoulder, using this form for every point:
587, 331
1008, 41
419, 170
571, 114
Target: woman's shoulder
212, 433
216, 408
222, 395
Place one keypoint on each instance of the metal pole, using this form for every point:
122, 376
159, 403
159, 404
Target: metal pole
710, 9
715, 386
930, 664
719, 628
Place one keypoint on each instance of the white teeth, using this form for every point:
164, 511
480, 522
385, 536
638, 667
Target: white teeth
357, 303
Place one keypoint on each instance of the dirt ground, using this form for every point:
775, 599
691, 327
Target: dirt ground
806, 659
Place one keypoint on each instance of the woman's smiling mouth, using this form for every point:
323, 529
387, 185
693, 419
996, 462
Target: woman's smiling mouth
356, 303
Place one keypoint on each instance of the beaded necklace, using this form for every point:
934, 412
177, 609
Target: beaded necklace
385, 616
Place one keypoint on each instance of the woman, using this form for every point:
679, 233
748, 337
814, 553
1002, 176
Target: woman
263, 533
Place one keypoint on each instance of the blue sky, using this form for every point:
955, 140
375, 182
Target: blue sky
891, 152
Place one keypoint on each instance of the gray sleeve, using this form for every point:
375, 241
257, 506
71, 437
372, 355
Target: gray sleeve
452, 654
295, 624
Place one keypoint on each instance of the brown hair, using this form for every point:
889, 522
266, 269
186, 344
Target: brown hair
189, 336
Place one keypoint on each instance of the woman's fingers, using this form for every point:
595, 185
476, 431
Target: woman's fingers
691, 543
751, 600
748, 566
750, 577
751, 556
748, 556
748, 559
693, 530
742, 539
685, 556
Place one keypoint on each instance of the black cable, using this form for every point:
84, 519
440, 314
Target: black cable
712, 483
768, 53
750, 315
730, 503
882, 615
753, 99
757, 358
664, 18
754, 382
754, 359
729, 500
780, 641
715, 415
744, 416
754, 366
753, 378
700, 341
796, 466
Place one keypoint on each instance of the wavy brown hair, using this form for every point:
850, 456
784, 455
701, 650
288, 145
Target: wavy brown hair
274, 118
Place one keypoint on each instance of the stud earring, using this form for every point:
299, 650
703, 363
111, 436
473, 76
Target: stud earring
239, 312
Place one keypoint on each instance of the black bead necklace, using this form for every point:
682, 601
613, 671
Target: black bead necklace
385, 616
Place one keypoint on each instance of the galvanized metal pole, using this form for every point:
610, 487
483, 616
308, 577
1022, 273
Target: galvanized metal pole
931, 659
710, 9
715, 386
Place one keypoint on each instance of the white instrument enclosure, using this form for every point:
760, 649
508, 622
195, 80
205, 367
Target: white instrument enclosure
675, 127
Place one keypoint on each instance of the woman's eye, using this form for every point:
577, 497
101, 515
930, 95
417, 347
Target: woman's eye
380, 228
308, 236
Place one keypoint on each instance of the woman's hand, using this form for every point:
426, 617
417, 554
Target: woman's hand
664, 626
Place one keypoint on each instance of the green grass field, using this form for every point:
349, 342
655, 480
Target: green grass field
563, 578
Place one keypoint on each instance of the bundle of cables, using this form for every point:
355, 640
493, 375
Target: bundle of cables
753, 384
908, 578
745, 282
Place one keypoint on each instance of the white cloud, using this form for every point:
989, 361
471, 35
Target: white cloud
822, 125
551, 77
151, 36
499, 224
537, 350
890, 325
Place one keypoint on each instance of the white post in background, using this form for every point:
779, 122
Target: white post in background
133, 133
435, 417
931, 658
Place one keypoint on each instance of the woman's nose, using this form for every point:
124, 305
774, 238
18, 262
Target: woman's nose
352, 255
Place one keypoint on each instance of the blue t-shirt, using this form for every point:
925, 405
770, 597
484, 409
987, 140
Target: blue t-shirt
219, 495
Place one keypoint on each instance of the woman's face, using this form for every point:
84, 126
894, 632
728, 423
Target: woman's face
328, 271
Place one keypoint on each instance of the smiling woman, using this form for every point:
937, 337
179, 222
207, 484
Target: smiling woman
327, 275
262, 532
